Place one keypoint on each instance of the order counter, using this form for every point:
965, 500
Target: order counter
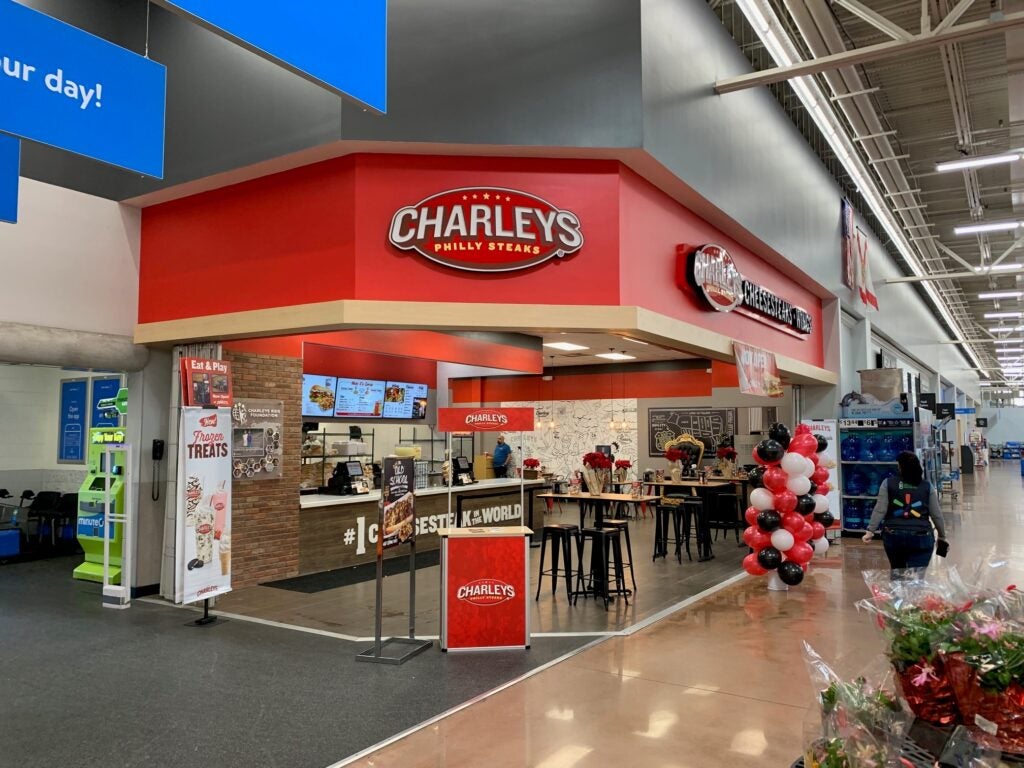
341, 531
485, 582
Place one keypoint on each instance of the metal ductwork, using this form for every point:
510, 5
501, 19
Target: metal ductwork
39, 345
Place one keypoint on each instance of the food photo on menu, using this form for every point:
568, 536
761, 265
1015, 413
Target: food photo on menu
399, 520
318, 395
401, 400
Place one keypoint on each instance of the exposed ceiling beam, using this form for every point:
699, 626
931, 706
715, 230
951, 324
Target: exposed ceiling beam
853, 94
875, 19
968, 31
954, 15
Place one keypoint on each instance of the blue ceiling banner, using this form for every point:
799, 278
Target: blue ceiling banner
10, 162
71, 90
340, 45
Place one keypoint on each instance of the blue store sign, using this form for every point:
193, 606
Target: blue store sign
10, 157
965, 411
74, 91
105, 389
340, 45
74, 394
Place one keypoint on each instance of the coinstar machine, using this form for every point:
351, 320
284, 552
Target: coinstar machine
106, 446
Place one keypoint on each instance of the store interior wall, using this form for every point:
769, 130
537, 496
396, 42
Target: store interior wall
1004, 425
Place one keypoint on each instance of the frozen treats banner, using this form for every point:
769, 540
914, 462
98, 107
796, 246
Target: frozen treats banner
203, 551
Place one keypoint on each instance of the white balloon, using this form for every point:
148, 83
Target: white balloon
799, 485
820, 503
793, 464
820, 546
782, 540
809, 467
762, 498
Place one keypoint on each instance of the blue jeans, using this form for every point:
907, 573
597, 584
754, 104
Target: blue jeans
908, 548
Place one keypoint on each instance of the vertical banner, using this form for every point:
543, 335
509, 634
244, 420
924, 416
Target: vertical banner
849, 251
398, 505
758, 371
829, 429
10, 168
205, 382
204, 504
74, 395
256, 427
104, 394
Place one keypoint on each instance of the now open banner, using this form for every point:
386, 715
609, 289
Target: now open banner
71, 90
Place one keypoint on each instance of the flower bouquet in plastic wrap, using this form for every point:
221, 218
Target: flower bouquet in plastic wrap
916, 612
858, 723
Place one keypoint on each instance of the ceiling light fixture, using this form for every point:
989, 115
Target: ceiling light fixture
979, 162
645, 343
1006, 329
987, 226
616, 356
998, 315
1000, 268
1008, 341
565, 346
1001, 295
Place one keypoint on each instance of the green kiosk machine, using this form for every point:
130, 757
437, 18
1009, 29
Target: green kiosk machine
105, 447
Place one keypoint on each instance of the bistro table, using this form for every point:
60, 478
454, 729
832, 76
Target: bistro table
599, 502
702, 490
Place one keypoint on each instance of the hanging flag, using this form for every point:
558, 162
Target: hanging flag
856, 268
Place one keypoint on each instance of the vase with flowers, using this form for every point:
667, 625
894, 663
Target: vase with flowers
531, 468
596, 470
726, 456
622, 467
677, 457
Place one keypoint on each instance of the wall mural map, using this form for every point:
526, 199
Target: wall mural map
711, 425
579, 426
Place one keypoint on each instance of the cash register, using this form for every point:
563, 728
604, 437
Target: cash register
463, 472
348, 479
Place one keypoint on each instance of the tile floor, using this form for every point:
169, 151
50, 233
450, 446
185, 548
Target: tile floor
720, 683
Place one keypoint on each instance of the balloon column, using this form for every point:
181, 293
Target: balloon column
788, 511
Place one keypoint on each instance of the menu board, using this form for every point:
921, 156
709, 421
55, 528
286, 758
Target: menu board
405, 401
359, 398
318, 395
709, 425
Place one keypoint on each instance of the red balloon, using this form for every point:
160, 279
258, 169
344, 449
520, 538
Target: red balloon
809, 517
801, 553
804, 534
824, 488
814, 457
784, 502
805, 444
751, 516
756, 539
820, 477
751, 566
817, 530
802, 429
775, 479
793, 522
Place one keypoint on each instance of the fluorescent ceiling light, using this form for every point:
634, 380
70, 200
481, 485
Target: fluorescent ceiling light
987, 226
1006, 328
616, 356
997, 315
565, 346
1008, 341
1001, 295
979, 162
1000, 268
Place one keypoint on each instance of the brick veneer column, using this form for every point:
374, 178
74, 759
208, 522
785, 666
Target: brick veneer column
265, 513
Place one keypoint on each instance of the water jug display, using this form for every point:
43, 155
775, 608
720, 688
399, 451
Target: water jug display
850, 448
869, 448
889, 448
852, 514
873, 479
856, 483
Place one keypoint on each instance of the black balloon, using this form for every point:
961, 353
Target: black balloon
825, 518
769, 558
768, 520
780, 433
805, 504
756, 477
770, 451
822, 444
814, 488
791, 573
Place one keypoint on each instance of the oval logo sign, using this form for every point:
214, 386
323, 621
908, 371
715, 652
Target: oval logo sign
486, 229
717, 277
486, 418
486, 592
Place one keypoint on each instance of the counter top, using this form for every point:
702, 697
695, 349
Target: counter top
470, 533
314, 501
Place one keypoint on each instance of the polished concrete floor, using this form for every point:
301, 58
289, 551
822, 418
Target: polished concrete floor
719, 683
349, 610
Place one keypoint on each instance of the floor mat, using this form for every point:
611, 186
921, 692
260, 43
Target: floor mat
342, 577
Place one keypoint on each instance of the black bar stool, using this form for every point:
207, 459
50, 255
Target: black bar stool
662, 514
623, 526
561, 535
692, 509
605, 543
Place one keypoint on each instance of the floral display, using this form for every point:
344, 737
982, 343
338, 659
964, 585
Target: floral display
531, 463
596, 470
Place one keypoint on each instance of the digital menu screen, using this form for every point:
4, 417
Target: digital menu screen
359, 399
405, 401
318, 395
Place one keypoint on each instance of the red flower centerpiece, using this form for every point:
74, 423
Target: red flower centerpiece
677, 457
596, 469
622, 466
726, 456
531, 469
531, 463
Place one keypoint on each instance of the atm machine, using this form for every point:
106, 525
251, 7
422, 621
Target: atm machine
90, 504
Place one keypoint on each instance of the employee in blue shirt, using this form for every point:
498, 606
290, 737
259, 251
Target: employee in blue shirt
500, 459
